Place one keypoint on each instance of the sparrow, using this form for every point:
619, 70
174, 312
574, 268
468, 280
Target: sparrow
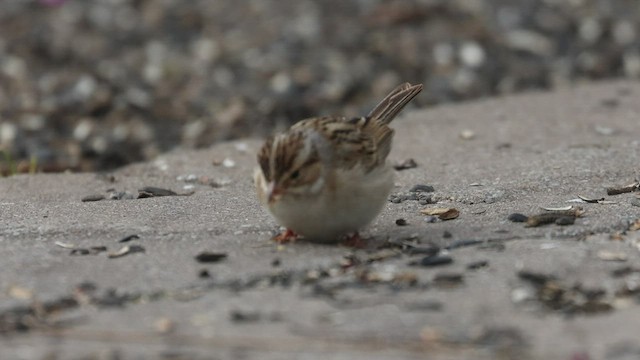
327, 177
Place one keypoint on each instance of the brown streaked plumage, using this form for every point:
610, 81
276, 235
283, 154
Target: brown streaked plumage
332, 168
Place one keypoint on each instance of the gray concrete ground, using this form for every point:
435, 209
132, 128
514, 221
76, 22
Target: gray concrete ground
514, 292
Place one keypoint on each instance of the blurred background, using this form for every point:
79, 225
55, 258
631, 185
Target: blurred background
91, 85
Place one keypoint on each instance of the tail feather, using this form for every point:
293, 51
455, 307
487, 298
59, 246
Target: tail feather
393, 103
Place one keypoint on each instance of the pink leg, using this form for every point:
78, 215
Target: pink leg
355, 241
287, 236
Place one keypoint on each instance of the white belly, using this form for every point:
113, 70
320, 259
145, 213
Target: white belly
358, 198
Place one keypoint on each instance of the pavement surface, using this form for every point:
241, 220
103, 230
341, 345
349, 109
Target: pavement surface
495, 289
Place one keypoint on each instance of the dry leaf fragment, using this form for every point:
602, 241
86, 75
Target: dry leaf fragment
607, 255
65, 245
635, 226
442, 213
20, 293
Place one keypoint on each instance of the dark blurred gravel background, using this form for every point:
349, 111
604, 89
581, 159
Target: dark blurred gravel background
96, 84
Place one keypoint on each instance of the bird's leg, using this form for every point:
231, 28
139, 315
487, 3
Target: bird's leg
285, 237
355, 241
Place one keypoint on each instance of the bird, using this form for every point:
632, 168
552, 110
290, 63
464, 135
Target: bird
327, 177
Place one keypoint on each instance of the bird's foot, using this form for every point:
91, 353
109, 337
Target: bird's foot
354, 241
285, 237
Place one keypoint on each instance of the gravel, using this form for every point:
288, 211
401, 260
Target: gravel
94, 85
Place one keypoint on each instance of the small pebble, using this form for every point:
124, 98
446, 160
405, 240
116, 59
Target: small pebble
477, 264
405, 165
401, 222
422, 188
448, 279
435, 260
210, 257
152, 191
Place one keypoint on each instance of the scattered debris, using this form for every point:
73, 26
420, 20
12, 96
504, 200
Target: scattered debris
129, 238
243, 316
202, 180
557, 296
422, 188
414, 247
616, 190
388, 274
562, 208
422, 198
405, 165
377, 256
93, 250
517, 217
152, 191
584, 199
433, 260
93, 197
560, 216
210, 257
634, 226
448, 280
590, 200
119, 195
442, 213
126, 250
477, 264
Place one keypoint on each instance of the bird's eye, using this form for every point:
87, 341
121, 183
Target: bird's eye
295, 174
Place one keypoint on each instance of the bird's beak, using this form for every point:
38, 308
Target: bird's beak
273, 192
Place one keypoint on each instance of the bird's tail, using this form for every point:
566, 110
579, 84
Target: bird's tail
392, 104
